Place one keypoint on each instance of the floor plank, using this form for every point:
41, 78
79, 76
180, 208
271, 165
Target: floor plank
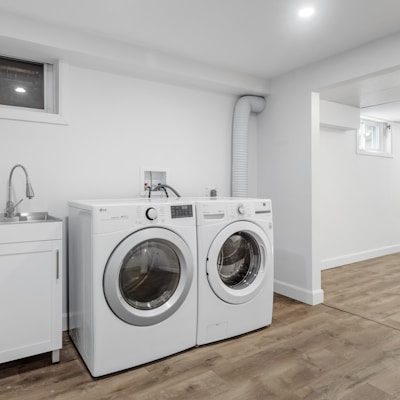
347, 348
369, 289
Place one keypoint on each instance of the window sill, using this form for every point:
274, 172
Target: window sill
375, 154
32, 116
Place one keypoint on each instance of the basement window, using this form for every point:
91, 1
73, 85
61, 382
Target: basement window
30, 90
22, 83
374, 138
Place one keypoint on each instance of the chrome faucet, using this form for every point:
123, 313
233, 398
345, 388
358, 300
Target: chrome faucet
10, 207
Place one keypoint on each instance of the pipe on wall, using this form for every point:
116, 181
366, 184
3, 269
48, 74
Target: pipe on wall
241, 115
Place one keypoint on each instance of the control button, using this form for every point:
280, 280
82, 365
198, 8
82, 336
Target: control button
151, 214
241, 209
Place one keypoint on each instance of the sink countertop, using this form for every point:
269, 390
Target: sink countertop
30, 227
30, 217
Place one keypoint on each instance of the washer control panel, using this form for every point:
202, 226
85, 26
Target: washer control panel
124, 214
182, 211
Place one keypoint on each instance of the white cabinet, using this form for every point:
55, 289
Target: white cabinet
31, 294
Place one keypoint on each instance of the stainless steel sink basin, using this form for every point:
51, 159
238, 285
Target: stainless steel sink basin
28, 217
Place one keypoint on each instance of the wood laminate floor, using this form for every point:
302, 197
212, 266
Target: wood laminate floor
347, 348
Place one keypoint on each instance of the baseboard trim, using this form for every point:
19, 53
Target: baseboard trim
360, 256
65, 321
312, 297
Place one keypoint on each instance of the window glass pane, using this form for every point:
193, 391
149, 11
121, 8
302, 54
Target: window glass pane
372, 137
387, 138
21, 83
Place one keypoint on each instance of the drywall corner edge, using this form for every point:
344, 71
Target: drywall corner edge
339, 116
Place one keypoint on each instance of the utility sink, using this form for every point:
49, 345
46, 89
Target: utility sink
27, 217
29, 226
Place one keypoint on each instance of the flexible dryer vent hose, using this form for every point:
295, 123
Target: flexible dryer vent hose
244, 106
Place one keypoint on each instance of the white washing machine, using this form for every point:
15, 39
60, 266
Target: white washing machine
132, 281
235, 267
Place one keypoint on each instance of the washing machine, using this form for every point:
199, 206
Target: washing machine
235, 267
132, 281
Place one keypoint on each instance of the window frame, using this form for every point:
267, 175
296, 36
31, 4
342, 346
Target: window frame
55, 91
384, 127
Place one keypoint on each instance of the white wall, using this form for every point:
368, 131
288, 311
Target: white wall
289, 160
360, 200
285, 169
116, 125
338, 116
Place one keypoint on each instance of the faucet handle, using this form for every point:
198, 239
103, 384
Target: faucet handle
10, 208
15, 206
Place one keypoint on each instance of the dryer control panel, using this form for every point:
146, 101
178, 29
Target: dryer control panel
216, 211
250, 209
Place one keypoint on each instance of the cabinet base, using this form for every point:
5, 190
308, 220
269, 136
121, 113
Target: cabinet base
55, 356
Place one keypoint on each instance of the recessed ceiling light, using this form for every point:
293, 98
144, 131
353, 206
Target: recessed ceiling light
20, 90
306, 12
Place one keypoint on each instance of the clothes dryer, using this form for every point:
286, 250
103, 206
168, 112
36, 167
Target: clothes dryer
235, 267
132, 280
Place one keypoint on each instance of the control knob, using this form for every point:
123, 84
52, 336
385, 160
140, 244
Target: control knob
151, 213
241, 209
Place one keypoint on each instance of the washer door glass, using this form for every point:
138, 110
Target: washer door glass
239, 260
149, 275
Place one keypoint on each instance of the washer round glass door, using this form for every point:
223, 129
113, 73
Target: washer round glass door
148, 276
237, 262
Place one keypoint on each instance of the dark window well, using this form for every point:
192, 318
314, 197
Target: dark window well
21, 83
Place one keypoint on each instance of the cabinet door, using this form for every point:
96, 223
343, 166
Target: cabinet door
30, 299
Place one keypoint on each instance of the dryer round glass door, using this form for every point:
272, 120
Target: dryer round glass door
148, 276
237, 262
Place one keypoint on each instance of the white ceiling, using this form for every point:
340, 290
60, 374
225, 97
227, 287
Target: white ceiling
387, 112
378, 96
264, 38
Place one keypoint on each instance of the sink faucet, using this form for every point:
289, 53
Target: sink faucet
10, 207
